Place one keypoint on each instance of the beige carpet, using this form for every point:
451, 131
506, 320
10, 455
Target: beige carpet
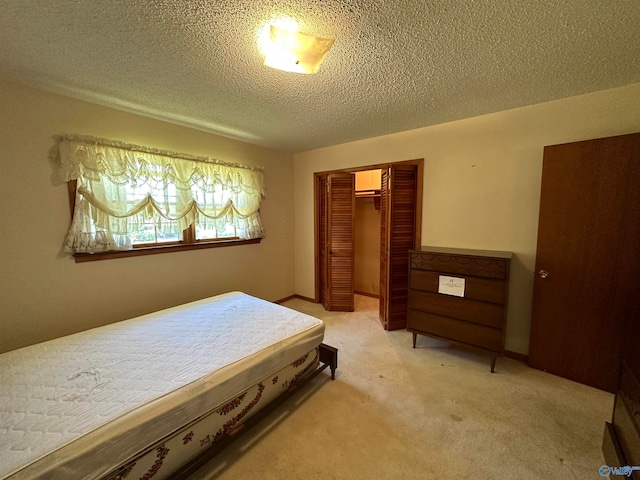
430, 412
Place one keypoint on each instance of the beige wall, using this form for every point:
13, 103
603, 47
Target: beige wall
44, 294
367, 250
481, 181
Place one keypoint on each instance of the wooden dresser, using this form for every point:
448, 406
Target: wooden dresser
459, 296
621, 442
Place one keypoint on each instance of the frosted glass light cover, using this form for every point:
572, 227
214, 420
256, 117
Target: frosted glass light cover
296, 52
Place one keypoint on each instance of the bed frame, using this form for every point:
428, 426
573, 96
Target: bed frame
326, 357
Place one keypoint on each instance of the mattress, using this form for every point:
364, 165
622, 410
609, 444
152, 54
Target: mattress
77, 406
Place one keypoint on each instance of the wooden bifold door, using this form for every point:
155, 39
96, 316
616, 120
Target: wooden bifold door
398, 195
337, 241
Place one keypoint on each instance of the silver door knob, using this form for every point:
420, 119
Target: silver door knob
543, 274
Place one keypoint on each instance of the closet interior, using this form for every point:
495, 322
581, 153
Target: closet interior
367, 233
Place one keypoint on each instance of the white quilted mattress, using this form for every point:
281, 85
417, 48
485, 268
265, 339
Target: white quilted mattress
77, 406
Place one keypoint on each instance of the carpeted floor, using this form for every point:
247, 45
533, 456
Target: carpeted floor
432, 412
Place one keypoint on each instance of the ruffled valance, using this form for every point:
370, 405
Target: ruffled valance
122, 186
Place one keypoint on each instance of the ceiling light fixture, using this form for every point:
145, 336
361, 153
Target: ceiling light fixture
289, 50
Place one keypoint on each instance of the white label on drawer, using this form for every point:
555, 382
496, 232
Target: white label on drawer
451, 285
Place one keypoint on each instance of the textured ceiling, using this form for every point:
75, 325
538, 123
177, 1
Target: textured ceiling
395, 64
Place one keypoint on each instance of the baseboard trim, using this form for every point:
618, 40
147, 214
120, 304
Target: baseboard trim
291, 297
366, 294
516, 356
307, 299
282, 300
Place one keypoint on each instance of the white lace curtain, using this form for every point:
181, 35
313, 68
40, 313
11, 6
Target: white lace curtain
120, 187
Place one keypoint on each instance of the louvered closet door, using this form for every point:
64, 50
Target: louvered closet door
323, 244
384, 228
340, 242
398, 219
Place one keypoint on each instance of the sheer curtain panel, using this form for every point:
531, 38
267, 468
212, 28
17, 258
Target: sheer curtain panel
121, 187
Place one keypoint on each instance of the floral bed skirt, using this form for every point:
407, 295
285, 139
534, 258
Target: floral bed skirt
171, 453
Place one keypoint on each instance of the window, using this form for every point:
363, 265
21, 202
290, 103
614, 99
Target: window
127, 198
148, 233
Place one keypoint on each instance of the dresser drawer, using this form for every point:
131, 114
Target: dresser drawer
461, 265
464, 309
483, 289
626, 415
461, 331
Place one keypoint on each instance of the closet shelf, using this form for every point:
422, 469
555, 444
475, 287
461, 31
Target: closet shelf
368, 194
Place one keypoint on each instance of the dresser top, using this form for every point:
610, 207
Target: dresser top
464, 251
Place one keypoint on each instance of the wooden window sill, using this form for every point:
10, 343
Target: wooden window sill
155, 249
